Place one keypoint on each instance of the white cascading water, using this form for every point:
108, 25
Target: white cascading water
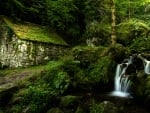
147, 66
122, 81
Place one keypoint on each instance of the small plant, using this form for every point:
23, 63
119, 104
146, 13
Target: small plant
97, 108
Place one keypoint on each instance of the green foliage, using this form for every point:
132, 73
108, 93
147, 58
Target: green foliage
42, 90
129, 8
38, 96
33, 32
60, 13
12, 8
33, 99
74, 19
132, 29
68, 100
104, 107
95, 66
87, 54
98, 30
61, 81
97, 19
135, 34
97, 108
101, 70
141, 44
119, 52
62, 16
95, 10
16, 109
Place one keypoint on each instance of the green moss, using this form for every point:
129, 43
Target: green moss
119, 52
140, 44
87, 54
131, 29
68, 100
88, 48
95, 66
14, 72
104, 107
33, 32
97, 108
101, 70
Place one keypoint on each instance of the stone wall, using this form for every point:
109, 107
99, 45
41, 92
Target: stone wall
15, 52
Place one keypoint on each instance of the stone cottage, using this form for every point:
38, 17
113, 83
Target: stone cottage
26, 44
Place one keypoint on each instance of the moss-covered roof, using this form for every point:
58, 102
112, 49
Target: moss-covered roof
34, 32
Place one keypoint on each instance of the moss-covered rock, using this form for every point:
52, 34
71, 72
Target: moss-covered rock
138, 86
69, 101
96, 67
132, 29
140, 44
141, 87
87, 55
119, 52
101, 70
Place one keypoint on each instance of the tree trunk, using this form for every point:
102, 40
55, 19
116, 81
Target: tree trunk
113, 23
129, 13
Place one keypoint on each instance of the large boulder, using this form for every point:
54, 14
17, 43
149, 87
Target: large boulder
133, 32
141, 88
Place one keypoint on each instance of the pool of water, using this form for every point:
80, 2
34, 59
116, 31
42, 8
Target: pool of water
120, 94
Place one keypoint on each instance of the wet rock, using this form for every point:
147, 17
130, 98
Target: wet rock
141, 88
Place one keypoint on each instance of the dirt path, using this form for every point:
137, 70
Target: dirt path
9, 78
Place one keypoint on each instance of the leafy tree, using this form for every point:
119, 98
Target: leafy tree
97, 19
11, 7
94, 10
60, 13
62, 16
29, 10
130, 9
35, 11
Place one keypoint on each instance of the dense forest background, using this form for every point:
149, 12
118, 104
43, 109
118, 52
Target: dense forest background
76, 20
101, 34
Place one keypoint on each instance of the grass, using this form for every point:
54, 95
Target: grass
11, 72
34, 32
33, 69
19, 76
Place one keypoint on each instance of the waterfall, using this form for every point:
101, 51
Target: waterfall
147, 66
121, 80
